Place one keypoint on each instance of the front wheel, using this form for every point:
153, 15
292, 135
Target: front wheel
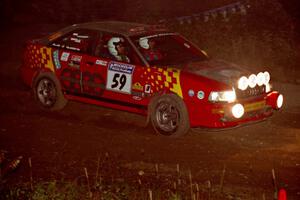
169, 115
48, 93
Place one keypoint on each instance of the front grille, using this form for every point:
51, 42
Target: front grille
250, 92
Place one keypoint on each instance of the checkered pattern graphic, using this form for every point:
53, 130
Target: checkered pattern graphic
40, 57
159, 79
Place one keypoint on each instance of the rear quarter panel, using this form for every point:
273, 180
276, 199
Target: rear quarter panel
36, 58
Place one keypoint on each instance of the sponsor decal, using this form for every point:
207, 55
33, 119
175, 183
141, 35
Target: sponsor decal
139, 94
119, 77
191, 93
64, 56
147, 88
56, 45
137, 86
120, 67
137, 98
56, 59
81, 36
76, 58
76, 40
72, 48
101, 62
200, 95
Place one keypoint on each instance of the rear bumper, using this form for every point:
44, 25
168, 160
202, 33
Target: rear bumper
219, 115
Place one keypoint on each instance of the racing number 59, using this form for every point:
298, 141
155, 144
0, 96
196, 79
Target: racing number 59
119, 80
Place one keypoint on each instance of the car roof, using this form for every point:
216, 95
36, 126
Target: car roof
127, 29
120, 27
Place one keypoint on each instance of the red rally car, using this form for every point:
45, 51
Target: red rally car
148, 70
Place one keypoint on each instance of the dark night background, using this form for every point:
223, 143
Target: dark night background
269, 35
62, 144
35, 11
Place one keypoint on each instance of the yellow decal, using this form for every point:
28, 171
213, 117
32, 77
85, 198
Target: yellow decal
173, 78
161, 78
40, 57
137, 86
255, 106
218, 111
48, 58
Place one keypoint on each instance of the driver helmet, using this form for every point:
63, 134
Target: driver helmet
112, 43
144, 43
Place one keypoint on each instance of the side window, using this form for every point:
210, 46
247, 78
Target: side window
115, 47
78, 40
101, 46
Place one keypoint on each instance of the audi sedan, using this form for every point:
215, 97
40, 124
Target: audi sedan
149, 70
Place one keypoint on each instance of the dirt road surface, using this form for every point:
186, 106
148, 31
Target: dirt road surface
62, 143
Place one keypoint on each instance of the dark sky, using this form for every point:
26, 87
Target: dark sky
52, 11
292, 7
47, 9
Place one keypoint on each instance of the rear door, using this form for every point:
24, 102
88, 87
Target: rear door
71, 51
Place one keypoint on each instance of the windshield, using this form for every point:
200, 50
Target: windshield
167, 49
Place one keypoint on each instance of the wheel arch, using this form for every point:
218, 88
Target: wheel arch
44, 72
172, 97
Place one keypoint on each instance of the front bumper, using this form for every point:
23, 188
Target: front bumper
220, 115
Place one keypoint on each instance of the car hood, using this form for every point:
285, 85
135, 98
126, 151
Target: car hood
218, 70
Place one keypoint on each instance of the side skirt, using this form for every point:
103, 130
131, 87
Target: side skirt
118, 105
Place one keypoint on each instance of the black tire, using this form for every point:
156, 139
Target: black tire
48, 93
169, 116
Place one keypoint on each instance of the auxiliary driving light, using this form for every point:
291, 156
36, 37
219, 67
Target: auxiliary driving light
238, 110
279, 101
252, 80
260, 79
267, 77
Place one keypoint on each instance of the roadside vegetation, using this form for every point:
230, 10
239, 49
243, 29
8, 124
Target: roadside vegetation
113, 179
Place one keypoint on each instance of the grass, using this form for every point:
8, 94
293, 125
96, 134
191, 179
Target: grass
143, 188
115, 180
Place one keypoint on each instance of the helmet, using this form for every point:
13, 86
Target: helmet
144, 43
112, 45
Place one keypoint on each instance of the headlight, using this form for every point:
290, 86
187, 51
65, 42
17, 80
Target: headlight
243, 83
228, 96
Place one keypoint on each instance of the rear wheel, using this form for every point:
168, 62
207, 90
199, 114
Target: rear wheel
169, 115
47, 92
